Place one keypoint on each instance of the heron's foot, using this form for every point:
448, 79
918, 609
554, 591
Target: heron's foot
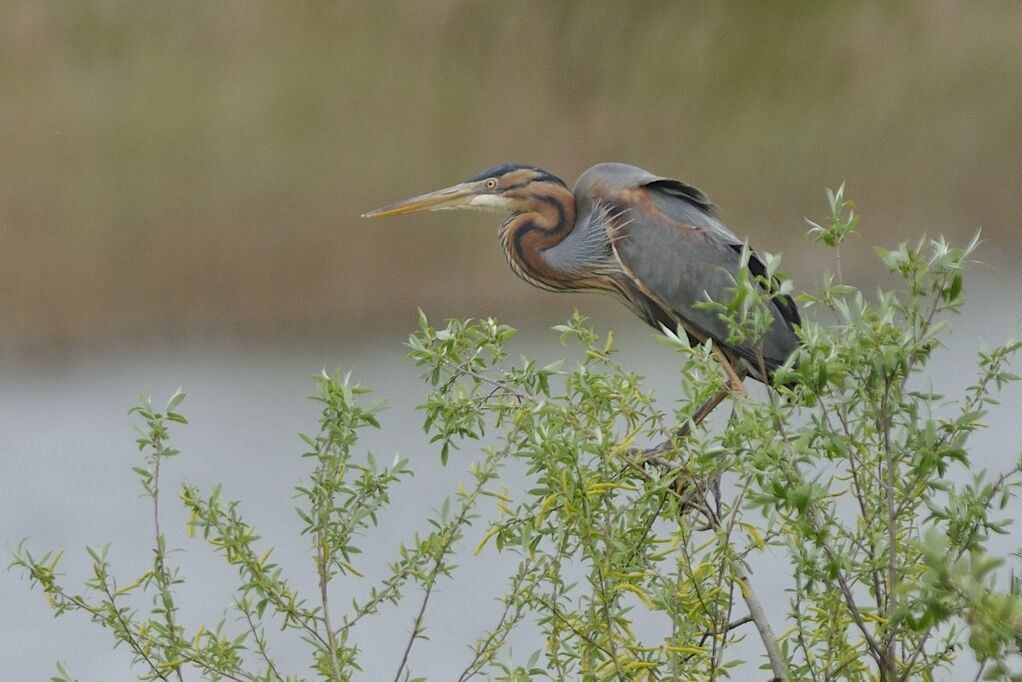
737, 389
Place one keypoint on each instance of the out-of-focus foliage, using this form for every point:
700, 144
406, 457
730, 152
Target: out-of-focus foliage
189, 167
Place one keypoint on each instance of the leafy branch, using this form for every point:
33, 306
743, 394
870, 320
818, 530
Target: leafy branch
639, 530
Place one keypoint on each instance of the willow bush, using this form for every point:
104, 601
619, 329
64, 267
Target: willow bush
852, 472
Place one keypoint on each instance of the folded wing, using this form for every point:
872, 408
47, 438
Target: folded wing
668, 239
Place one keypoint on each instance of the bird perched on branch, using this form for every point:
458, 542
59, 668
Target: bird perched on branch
655, 243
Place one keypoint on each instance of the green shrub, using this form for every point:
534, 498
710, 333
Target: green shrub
845, 476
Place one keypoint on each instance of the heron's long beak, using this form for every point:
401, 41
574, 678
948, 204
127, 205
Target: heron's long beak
458, 196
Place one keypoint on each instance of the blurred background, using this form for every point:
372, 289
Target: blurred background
180, 186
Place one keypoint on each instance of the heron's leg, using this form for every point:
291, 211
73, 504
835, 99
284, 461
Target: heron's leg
691, 494
734, 387
734, 376
701, 413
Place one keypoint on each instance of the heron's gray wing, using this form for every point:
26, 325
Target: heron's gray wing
688, 205
673, 246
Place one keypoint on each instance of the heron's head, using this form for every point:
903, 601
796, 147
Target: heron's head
508, 188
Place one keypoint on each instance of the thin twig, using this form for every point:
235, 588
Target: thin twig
766, 633
324, 583
979, 673
995, 488
845, 590
601, 585
139, 650
756, 612
701, 413
800, 629
578, 633
260, 640
162, 578
505, 386
482, 477
487, 646
733, 625
892, 539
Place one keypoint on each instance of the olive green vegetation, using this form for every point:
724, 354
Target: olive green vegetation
622, 562
190, 168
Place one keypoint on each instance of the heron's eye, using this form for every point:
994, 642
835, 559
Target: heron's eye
491, 183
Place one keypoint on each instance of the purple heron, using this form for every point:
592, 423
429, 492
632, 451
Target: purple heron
655, 243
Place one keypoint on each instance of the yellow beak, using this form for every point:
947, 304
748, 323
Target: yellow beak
458, 196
